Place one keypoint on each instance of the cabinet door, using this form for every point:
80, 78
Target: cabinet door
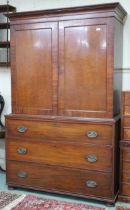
85, 75
34, 68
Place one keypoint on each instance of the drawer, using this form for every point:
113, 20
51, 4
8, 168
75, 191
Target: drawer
127, 98
126, 110
70, 155
126, 134
126, 166
59, 179
126, 177
59, 131
125, 189
125, 152
126, 121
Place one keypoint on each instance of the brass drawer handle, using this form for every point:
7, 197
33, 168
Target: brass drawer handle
22, 174
22, 129
91, 134
91, 184
22, 151
91, 158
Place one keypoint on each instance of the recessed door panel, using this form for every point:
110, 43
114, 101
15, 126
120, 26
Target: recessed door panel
83, 68
36, 71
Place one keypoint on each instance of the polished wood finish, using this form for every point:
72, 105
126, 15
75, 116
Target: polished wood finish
75, 151
124, 198
125, 149
101, 10
41, 47
118, 62
126, 121
63, 133
126, 177
126, 134
127, 110
70, 155
126, 103
76, 77
126, 189
125, 153
59, 179
91, 44
126, 98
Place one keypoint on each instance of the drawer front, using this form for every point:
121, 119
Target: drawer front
126, 121
70, 155
125, 189
127, 110
125, 152
126, 166
126, 133
59, 131
127, 98
126, 177
51, 178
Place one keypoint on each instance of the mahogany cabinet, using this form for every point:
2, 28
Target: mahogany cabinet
65, 100
125, 148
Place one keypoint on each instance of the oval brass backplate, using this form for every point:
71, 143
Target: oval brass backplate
91, 134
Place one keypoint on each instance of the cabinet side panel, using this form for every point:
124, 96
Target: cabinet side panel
118, 62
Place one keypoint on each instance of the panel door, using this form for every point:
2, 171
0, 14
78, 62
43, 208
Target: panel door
85, 75
34, 68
